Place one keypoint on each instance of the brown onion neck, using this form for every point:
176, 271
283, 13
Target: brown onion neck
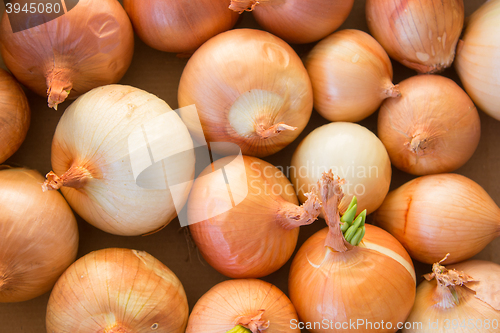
331, 195
241, 6
254, 322
391, 90
418, 143
116, 329
75, 177
266, 132
59, 86
291, 216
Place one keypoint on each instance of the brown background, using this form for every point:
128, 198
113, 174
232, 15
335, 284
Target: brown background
159, 73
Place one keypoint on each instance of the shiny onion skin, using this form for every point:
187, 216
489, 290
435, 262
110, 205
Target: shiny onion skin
250, 88
351, 75
232, 302
438, 214
117, 291
179, 25
420, 34
477, 58
38, 236
89, 46
297, 21
14, 115
258, 235
433, 128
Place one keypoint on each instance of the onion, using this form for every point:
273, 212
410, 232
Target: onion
14, 115
354, 153
179, 26
477, 58
89, 46
351, 75
253, 231
420, 34
250, 88
297, 21
101, 160
461, 298
333, 282
243, 306
433, 128
438, 214
38, 236
117, 291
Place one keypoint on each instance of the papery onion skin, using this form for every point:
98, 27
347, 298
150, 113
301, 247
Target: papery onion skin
351, 75
246, 84
361, 283
38, 236
14, 115
354, 153
93, 137
117, 291
438, 214
420, 34
179, 26
89, 46
250, 239
471, 313
477, 58
433, 128
298, 21
218, 309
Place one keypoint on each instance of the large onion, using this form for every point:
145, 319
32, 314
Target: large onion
477, 58
38, 236
101, 160
89, 46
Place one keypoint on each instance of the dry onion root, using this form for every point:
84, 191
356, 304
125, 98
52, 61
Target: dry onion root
243, 306
38, 236
89, 46
117, 291
14, 115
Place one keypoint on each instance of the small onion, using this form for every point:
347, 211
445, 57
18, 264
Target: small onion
254, 237
354, 153
433, 128
89, 46
335, 282
297, 21
250, 88
117, 291
14, 115
477, 58
38, 236
462, 298
181, 25
420, 34
243, 306
101, 141
351, 75
438, 214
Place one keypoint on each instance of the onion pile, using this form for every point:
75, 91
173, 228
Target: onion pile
89, 46
38, 236
297, 21
477, 58
334, 282
117, 291
351, 75
101, 160
14, 115
181, 25
250, 88
253, 231
461, 298
354, 153
438, 214
433, 128
420, 34
243, 306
